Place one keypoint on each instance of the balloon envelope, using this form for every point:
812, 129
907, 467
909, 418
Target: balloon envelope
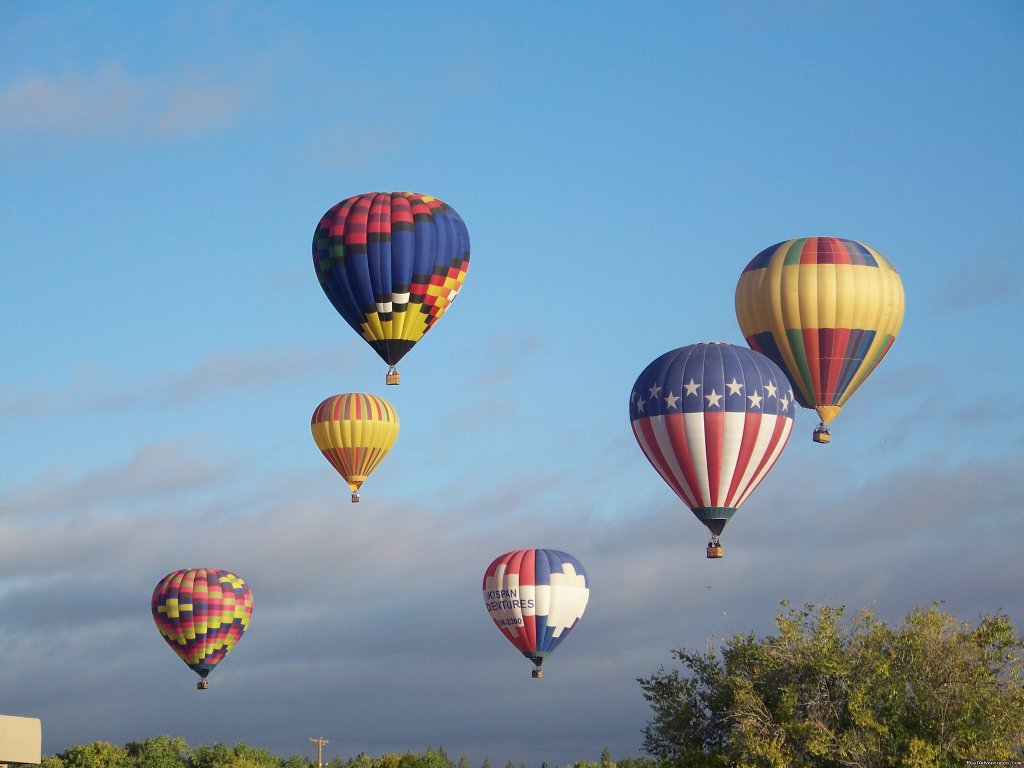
536, 597
712, 419
202, 613
354, 431
826, 310
391, 264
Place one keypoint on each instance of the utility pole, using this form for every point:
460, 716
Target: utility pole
319, 750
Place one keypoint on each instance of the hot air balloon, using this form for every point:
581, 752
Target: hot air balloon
202, 613
536, 597
826, 310
354, 432
391, 264
712, 419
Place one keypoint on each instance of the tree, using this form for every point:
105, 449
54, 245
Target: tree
254, 757
636, 762
826, 692
432, 759
211, 756
158, 752
98, 754
362, 760
238, 756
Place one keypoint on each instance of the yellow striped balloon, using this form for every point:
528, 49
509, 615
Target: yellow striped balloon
354, 432
826, 310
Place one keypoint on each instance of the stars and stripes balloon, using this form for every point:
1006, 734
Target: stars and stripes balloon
391, 264
826, 310
536, 597
202, 613
354, 431
712, 419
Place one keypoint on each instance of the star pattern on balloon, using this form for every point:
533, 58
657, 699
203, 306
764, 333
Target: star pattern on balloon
714, 440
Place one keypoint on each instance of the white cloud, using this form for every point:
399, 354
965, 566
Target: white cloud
191, 107
983, 279
220, 373
366, 613
107, 102
101, 102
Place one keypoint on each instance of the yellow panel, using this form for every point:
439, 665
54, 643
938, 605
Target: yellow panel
827, 303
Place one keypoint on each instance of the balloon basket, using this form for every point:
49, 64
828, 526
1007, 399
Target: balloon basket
355, 497
822, 435
537, 674
391, 377
202, 685
714, 550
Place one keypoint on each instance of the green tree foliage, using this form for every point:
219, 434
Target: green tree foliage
826, 692
431, 759
159, 752
99, 754
362, 760
211, 756
173, 752
636, 762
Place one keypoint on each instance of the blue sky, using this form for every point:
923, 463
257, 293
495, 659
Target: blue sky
166, 340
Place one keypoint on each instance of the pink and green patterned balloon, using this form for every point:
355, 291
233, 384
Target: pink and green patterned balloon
202, 613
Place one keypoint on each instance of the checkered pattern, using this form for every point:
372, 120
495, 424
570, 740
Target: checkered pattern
202, 613
391, 264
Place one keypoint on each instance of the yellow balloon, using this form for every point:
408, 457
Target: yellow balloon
354, 432
826, 310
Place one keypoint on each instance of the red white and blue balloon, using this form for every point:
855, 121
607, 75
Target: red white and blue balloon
712, 419
536, 597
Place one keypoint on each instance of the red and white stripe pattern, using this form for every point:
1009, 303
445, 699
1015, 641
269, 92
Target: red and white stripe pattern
713, 459
712, 419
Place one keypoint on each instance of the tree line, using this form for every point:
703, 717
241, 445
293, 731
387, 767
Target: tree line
174, 752
823, 691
